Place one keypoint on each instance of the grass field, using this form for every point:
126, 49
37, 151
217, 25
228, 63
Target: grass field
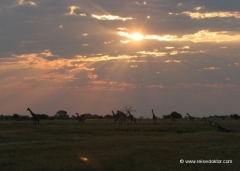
101, 145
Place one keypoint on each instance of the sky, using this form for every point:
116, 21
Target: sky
97, 56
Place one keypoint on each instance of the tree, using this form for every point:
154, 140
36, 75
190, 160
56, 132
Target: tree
235, 116
128, 108
176, 115
16, 117
61, 114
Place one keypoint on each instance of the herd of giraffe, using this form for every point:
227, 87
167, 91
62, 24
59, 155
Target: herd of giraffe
120, 117
123, 118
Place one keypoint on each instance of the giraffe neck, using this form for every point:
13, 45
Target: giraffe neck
153, 114
33, 114
113, 114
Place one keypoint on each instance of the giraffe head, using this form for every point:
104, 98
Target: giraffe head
28, 109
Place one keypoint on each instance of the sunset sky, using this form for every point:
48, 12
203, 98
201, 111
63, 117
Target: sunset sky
95, 56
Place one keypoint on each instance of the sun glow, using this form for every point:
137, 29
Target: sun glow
84, 159
136, 36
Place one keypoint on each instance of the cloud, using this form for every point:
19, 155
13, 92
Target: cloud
101, 57
218, 85
41, 61
155, 86
212, 68
55, 77
110, 17
92, 76
101, 85
73, 12
169, 47
136, 61
185, 47
16, 84
124, 41
175, 61
237, 64
200, 36
153, 53
86, 44
23, 2
176, 52
220, 14
199, 8
156, 53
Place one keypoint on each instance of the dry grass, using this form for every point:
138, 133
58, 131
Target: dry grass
102, 145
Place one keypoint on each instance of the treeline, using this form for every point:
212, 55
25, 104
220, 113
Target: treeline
62, 114
177, 115
18, 117
232, 116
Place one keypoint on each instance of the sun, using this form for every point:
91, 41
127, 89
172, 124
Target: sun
136, 36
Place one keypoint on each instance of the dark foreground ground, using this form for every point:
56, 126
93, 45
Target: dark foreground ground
101, 145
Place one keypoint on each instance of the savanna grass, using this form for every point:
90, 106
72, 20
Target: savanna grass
101, 145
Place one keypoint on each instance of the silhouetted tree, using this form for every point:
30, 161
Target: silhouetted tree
128, 108
61, 114
176, 115
16, 117
235, 116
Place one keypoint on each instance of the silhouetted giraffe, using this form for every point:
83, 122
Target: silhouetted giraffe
80, 118
115, 117
122, 117
190, 117
154, 117
34, 116
132, 118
